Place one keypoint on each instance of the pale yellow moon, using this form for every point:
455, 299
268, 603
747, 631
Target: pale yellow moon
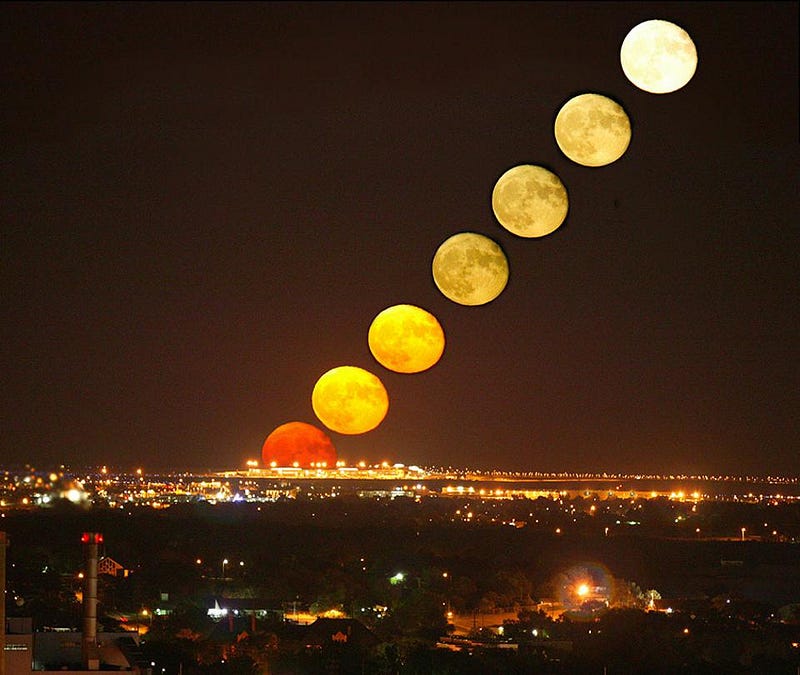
530, 201
350, 400
470, 269
592, 130
658, 56
406, 339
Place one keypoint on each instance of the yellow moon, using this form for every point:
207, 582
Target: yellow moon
592, 130
470, 269
658, 56
530, 201
406, 339
350, 400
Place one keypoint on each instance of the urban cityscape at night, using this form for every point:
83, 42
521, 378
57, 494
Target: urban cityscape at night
400, 338
423, 569
29, 487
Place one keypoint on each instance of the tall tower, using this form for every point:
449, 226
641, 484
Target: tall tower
91, 658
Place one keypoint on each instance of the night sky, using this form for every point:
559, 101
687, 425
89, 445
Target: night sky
205, 205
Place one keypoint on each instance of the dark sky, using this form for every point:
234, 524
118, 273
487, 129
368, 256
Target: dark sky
205, 205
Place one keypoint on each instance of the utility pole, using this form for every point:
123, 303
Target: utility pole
3, 542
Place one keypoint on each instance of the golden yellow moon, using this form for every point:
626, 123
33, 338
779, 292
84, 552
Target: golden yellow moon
406, 339
530, 201
470, 269
350, 400
658, 56
592, 130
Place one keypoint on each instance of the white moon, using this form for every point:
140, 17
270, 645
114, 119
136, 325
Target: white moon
530, 201
470, 269
658, 56
592, 130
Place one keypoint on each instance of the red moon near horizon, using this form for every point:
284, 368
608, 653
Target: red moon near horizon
298, 444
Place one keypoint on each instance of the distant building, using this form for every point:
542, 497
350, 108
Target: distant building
349, 633
223, 607
111, 567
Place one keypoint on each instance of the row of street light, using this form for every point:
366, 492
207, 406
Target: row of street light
225, 563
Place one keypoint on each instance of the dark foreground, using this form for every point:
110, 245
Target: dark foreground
642, 597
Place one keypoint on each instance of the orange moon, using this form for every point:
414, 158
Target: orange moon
406, 339
350, 400
300, 444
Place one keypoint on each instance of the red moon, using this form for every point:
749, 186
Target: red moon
298, 444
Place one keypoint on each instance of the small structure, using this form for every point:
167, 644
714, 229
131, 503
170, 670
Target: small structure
341, 633
61, 650
253, 607
111, 567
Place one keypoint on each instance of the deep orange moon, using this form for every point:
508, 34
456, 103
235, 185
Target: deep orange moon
298, 443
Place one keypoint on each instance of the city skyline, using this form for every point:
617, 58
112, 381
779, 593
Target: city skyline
208, 206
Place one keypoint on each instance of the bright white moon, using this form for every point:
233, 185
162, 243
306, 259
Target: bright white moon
470, 269
592, 130
658, 56
530, 201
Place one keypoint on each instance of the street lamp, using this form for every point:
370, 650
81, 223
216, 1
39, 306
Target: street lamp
224, 562
146, 615
744, 529
446, 577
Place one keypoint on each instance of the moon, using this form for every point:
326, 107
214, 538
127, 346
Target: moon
350, 400
298, 444
658, 56
406, 339
592, 130
530, 201
470, 269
